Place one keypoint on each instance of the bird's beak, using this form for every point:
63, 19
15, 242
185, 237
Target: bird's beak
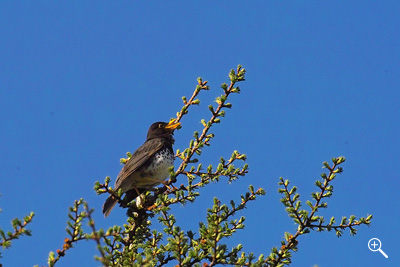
172, 125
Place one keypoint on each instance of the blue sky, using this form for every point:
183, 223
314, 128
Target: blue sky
80, 83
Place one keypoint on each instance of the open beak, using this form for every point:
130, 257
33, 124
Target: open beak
172, 125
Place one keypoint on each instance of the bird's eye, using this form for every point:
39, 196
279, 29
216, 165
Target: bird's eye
160, 125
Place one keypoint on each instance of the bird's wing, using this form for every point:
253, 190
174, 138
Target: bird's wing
139, 157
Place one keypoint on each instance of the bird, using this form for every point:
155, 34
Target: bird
148, 166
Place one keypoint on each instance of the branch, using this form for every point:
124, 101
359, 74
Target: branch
19, 228
306, 220
76, 233
199, 142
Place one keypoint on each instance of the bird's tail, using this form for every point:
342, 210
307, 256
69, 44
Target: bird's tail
109, 205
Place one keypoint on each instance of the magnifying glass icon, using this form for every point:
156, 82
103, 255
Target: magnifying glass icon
375, 245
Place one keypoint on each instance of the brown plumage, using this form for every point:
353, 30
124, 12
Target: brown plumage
148, 165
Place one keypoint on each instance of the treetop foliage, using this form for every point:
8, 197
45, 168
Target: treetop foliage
139, 243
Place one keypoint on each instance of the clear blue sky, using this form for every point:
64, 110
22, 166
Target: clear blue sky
80, 83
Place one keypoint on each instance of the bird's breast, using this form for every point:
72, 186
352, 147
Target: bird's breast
157, 171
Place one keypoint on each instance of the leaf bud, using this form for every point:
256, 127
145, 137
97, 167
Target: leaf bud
227, 105
235, 90
340, 160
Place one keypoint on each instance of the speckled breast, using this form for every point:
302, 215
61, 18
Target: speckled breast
157, 171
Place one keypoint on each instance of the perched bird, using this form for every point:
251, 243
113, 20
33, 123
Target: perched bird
148, 165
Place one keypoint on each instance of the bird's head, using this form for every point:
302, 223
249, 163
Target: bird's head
162, 129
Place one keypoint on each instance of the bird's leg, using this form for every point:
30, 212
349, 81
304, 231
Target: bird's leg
165, 183
141, 199
170, 187
130, 195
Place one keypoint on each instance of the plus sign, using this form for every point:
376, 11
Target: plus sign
374, 244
